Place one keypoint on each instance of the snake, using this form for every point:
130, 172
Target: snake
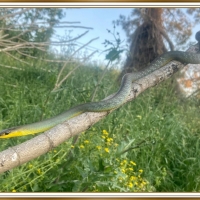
114, 102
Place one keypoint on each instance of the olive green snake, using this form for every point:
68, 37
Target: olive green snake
105, 105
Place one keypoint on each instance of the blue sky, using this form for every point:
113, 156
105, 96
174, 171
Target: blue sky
99, 19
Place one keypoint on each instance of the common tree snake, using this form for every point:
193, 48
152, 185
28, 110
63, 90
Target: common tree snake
105, 105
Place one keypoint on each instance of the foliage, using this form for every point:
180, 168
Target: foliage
29, 24
26, 32
116, 48
177, 22
151, 144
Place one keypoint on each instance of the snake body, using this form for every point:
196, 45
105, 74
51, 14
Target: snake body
105, 105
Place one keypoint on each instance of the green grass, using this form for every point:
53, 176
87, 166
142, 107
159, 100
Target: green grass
158, 131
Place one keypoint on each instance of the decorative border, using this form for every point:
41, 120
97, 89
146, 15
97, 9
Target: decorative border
102, 4
87, 4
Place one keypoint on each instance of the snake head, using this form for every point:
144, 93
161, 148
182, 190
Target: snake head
6, 131
197, 37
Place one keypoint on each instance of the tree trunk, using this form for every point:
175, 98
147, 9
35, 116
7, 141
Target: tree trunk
147, 42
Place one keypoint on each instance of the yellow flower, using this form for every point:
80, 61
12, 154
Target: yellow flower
39, 171
133, 163
130, 169
54, 151
109, 139
123, 162
130, 185
14, 190
103, 136
144, 182
81, 146
105, 132
72, 146
98, 147
123, 171
106, 150
133, 178
86, 142
140, 170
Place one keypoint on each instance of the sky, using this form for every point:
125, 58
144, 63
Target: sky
100, 19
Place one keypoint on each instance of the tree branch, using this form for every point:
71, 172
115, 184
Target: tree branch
14, 14
41, 144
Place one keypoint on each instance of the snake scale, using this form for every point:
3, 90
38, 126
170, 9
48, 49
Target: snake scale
105, 105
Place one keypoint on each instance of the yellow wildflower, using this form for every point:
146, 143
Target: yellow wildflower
123, 162
130, 185
140, 170
81, 146
86, 142
106, 150
133, 163
123, 170
133, 178
103, 136
136, 183
109, 139
144, 182
98, 147
72, 146
14, 190
39, 171
105, 132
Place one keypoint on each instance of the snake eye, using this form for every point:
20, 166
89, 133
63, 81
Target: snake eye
5, 132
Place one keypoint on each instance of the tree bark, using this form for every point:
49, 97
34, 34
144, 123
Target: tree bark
147, 42
41, 144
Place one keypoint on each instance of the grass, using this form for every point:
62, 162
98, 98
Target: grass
150, 144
